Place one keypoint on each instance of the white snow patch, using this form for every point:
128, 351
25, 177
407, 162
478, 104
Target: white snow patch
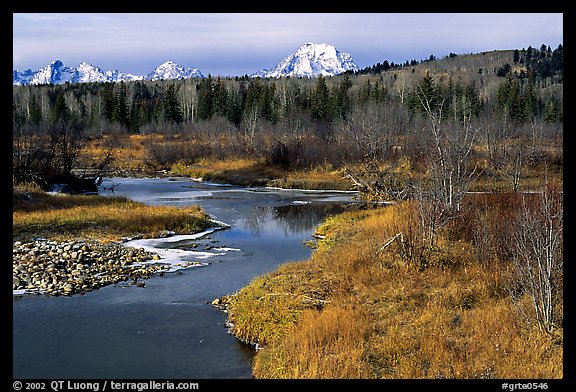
180, 258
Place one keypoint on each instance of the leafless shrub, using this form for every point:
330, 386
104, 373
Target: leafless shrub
538, 257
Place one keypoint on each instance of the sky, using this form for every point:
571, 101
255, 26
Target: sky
230, 44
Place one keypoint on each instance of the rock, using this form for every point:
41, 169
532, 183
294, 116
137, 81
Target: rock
216, 302
156, 257
67, 268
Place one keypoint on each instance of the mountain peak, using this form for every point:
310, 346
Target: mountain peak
171, 70
311, 60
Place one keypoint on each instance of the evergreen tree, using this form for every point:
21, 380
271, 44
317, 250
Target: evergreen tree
107, 99
426, 93
365, 92
172, 111
510, 100
557, 60
266, 102
473, 97
135, 117
543, 50
553, 112
35, 111
516, 56
234, 108
59, 111
120, 113
529, 98
528, 57
339, 100
319, 99
205, 96
253, 98
219, 98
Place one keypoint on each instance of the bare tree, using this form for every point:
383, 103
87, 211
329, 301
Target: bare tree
450, 176
373, 130
33, 155
382, 182
509, 162
367, 126
250, 124
538, 260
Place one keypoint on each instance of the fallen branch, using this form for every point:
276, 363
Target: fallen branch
390, 241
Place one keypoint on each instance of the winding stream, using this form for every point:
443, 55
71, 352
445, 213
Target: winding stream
167, 329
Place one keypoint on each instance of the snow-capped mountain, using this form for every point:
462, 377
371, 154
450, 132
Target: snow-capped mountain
170, 70
55, 73
58, 73
311, 60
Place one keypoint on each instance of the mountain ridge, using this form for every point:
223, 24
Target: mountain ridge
309, 60
58, 73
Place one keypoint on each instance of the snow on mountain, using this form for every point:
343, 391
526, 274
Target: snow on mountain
117, 76
311, 60
170, 70
22, 77
54, 73
88, 73
58, 73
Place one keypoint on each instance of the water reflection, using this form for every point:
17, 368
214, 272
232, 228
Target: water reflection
296, 218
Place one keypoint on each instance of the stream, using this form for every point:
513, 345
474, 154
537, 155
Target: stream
168, 330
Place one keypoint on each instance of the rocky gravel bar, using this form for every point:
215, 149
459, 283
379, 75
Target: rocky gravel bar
74, 267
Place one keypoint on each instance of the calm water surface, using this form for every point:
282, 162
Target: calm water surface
167, 329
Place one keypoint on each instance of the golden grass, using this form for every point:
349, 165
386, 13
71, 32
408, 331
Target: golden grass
254, 172
327, 339
356, 311
91, 216
213, 169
